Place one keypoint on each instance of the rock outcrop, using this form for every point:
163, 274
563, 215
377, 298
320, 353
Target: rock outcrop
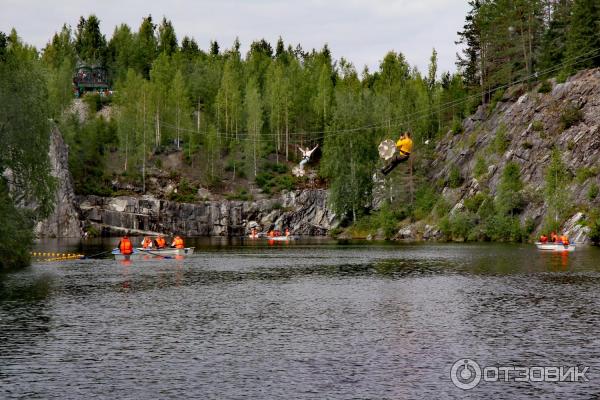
303, 212
531, 125
64, 220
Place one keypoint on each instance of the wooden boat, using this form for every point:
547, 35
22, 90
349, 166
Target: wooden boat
167, 251
554, 246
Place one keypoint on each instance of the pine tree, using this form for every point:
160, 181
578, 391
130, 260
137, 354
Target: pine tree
167, 40
90, 43
146, 47
583, 40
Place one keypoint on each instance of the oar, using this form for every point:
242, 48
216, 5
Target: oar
154, 254
96, 255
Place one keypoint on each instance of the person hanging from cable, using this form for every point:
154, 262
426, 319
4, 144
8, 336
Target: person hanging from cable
404, 146
306, 153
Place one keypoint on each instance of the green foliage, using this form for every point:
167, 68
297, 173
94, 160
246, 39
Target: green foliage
593, 192
186, 192
582, 35
556, 193
241, 195
16, 237
509, 199
496, 97
570, 116
457, 127
89, 145
458, 226
472, 204
273, 183
425, 200
501, 140
480, 167
545, 87
537, 125
584, 173
455, 178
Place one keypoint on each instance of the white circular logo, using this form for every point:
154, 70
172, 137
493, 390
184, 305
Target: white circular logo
465, 374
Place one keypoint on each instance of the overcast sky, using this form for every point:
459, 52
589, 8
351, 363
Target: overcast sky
362, 31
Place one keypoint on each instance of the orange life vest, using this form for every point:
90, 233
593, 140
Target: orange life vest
160, 241
565, 240
146, 242
543, 239
125, 246
178, 243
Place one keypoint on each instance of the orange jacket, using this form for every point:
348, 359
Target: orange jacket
565, 240
125, 246
146, 242
543, 239
178, 243
160, 241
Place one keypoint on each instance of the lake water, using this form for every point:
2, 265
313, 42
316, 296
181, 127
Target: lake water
306, 320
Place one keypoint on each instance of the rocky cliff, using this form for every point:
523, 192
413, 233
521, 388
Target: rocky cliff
303, 212
64, 221
530, 123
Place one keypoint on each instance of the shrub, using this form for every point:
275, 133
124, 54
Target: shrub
186, 193
537, 126
593, 192
457, 226
584, 173
441, 208
570, 116
480, 167
455, 179
93, 102
472, 204
527, 145
500, 140
425, 199
496, 97
241, 194
457, 127
545, 87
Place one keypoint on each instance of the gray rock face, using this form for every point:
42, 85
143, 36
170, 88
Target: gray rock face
532, 125
303, 212
64, 221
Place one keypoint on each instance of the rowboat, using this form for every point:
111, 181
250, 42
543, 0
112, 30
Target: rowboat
282, 238
168, 251
136, 255
554, 246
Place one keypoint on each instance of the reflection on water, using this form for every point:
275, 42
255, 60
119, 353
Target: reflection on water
299, 320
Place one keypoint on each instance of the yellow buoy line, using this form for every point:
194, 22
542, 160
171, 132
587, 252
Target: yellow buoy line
50, 256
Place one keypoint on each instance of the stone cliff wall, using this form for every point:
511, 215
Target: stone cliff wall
64, 221
303, 212
532, 126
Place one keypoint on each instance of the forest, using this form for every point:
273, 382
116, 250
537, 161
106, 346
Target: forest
234, 116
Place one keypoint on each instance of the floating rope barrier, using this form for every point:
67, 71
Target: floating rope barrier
51, 256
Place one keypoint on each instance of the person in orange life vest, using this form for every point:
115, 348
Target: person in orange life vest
271, 233
553, 237
543, 239
178, 243
160, 242
125, 246
287, 232
565, 240
404, 146
147, 242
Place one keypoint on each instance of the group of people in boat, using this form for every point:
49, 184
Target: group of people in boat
554, 238
126, 247
271, 234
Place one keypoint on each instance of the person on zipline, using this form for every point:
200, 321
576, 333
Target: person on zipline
404, 146
306, 153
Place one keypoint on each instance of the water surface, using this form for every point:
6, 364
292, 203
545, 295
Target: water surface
307, 320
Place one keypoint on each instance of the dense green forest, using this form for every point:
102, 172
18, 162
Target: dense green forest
235, 115
241, 116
